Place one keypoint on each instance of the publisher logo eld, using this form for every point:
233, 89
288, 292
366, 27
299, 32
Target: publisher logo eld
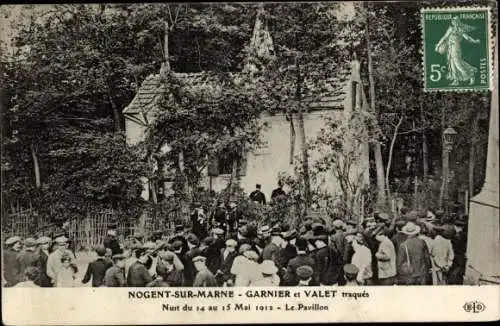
474, 307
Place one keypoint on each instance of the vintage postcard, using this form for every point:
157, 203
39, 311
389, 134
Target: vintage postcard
273, 162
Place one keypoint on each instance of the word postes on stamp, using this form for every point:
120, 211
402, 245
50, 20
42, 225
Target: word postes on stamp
456, 49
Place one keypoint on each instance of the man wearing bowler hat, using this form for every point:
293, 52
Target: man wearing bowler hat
204, 277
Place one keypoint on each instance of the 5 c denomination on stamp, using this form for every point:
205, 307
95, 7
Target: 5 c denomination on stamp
456, 49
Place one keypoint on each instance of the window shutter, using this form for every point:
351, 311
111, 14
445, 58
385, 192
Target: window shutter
354, 95
213, 166
242, 164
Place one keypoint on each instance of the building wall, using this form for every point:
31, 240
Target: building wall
265, 164
483, 241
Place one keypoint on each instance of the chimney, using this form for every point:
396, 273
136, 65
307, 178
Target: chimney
261, 48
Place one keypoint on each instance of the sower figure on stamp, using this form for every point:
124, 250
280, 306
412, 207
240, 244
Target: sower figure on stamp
450, 44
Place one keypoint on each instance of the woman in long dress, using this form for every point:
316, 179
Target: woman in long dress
458, 69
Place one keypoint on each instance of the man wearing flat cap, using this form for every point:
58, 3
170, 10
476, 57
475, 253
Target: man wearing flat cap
290, 278
28, 256
43, 243
328, 261
115, 275
305, 276
287, 251
204, 277
138, 274
11, 269
459, 245
234, 215
351, 274
167, 271
399, 237
339, 241
272, 249
228, 254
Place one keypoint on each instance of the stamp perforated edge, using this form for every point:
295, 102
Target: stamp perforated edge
491, 45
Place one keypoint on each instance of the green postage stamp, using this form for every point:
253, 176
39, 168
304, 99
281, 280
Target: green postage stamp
456, 49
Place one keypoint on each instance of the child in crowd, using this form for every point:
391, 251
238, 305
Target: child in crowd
67, 274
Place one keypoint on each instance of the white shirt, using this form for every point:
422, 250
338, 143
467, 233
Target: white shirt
362, 258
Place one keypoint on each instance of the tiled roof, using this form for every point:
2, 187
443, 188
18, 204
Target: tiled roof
150, 90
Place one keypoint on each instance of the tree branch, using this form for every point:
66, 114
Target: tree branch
391, 149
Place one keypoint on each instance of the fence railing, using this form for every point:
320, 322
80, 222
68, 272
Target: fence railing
89, 231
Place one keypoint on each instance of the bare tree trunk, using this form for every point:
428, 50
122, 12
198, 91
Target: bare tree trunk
425, 149
389, 161
292, 138
472, 155
443, 161
165, 68
116, 115
379, 163
303, 142
230, 185
36, 166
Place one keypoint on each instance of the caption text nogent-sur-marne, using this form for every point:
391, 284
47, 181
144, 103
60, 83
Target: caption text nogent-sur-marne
301, 293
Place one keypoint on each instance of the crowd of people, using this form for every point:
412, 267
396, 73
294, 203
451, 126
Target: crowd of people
227, 250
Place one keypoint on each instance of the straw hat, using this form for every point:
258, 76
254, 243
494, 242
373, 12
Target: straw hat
12, 240
43, 240
268, 267
29, 242
231, 243
252, 255
410, 229
61, 240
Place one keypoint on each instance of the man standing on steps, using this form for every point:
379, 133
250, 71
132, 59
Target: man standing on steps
277, 192
258, 196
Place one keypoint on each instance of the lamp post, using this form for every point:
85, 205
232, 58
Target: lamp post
449, 136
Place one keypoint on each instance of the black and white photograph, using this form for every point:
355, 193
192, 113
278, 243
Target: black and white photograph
249, 145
